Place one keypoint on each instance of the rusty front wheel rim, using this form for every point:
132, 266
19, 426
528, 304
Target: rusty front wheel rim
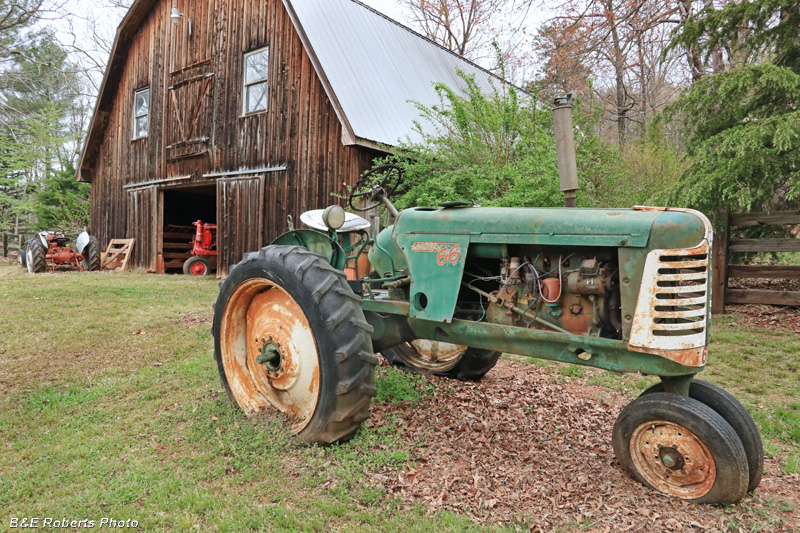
261, 313
432, 356
672, 459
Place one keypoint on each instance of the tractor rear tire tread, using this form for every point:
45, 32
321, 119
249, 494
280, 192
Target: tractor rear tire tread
37, 260
347, 374
92, 252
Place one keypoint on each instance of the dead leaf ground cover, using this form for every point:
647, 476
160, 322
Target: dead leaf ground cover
111, 405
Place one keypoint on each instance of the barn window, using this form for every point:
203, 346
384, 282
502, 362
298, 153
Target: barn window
256, 65
141, 113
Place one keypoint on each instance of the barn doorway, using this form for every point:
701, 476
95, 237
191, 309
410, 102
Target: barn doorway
181, 207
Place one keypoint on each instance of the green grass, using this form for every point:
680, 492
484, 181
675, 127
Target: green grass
111, 405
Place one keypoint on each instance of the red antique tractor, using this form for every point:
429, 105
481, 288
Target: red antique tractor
48, 251
204, 251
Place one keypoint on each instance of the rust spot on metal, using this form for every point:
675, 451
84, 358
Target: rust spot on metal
673, 459
313, 387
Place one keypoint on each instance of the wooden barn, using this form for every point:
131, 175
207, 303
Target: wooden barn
242, 112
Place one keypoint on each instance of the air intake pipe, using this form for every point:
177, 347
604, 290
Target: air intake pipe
565, 148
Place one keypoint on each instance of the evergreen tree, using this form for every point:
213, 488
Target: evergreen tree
742, 126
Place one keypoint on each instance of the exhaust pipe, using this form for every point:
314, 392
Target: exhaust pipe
565, 148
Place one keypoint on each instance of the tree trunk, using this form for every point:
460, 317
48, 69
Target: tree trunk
619, 71
695, 64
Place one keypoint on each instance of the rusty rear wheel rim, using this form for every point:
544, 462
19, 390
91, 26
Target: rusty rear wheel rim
431, 356
672, 459
262, 321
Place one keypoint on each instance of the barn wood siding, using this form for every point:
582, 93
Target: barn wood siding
299, 130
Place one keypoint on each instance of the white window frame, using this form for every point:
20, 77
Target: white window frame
136, 93
245, 83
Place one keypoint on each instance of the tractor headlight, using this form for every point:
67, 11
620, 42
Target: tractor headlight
333, 217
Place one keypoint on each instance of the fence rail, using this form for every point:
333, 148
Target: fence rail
13, 240
723, 271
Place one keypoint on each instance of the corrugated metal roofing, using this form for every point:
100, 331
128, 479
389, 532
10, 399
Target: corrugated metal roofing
375, 67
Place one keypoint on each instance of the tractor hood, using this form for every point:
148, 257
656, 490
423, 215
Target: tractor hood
551, 226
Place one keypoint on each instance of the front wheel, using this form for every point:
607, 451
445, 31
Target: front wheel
453, 361
197, 266
682, 448
734, 413
289, 333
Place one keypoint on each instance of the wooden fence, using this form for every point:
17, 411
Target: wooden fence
724, 245
11, 241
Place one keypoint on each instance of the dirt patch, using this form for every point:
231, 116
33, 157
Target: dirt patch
192, 319
771, 317
522, 447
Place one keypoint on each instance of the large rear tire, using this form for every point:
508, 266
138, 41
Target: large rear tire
734, 413
36, 256
289, 333
23, 255
442, 359
91, 252
681, 448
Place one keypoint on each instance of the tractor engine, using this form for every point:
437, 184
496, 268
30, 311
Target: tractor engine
573, 293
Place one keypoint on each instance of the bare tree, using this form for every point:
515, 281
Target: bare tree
17, 14
463, 26
617, 43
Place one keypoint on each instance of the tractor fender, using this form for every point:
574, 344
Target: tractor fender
317, 242
43, 237
81, 242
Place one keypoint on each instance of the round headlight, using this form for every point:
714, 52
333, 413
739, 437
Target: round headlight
333, 217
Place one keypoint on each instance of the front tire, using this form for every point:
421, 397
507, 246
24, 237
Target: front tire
682, 448
734, 413
289, 309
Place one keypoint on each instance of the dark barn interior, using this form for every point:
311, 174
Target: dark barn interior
182, 207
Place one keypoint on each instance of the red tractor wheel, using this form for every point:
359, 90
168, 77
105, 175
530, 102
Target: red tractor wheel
196, 266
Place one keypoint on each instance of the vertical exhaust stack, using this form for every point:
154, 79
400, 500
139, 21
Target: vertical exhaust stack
565, 148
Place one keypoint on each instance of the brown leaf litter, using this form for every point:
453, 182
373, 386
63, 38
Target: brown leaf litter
520, 447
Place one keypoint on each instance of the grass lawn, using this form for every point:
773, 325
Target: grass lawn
111, 406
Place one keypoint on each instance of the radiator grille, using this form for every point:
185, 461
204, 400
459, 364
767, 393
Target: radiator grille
672, 309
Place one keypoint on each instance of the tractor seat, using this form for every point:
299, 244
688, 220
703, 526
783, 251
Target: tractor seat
352, 222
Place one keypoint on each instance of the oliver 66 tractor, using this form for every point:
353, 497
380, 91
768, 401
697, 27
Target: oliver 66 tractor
625, 290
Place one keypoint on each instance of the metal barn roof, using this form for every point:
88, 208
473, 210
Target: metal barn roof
374, 68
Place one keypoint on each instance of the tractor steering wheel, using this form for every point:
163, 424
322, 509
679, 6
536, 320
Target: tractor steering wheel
386, 187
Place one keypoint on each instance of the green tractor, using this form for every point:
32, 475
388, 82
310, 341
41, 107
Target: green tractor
625, 290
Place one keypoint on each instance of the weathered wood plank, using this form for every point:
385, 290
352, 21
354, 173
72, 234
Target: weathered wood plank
764, 297
719, 275
764, 271
764, 245
744, 220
